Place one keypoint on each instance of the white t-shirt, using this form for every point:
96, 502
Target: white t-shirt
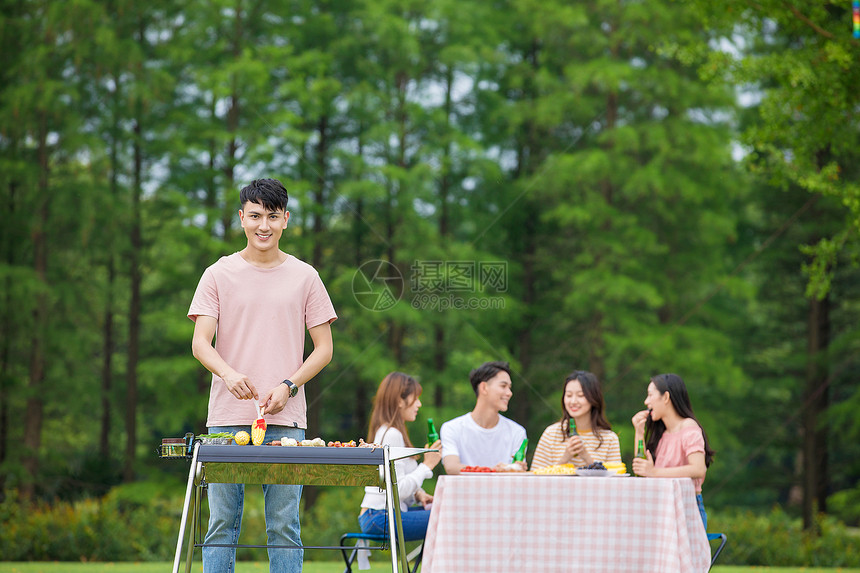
410, 474
262, 317
477, 446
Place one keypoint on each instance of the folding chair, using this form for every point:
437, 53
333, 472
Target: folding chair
714, 537
350, 552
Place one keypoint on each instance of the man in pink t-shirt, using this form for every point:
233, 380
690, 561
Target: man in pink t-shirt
259, 302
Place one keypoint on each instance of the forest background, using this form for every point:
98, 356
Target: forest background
618, 186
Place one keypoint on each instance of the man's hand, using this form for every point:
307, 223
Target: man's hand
502, 466
237, 383
240, 385
275, 400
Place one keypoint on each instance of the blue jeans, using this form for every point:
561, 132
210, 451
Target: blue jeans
414, 522
283, 526
701, 503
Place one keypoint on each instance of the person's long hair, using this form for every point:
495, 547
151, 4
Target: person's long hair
594, 394
674, 385
394, 387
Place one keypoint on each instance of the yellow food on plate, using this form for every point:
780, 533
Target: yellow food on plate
616, 467
242, 438
557, 470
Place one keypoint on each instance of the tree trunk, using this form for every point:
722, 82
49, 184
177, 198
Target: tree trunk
107, 372
35, 406
816, 399
397, 332
530, 159
521, 404
7, 337
595, 339
107, 329
362, 399
134, 304
440, 352
233, 116
313, 390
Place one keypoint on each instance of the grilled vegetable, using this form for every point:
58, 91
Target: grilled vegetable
243, 438
258, 432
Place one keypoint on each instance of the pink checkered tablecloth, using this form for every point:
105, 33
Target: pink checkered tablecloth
508, 522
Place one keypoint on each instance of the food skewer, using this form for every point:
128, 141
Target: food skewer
258, 430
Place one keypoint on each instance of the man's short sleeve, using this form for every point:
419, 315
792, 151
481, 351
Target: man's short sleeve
318, 309
448, 435
205, 301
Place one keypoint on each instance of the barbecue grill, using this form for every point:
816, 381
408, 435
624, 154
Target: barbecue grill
359, 466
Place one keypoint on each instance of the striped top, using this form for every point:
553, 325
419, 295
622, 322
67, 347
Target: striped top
550, 448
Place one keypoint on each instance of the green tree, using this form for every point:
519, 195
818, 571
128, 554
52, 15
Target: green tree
42, 127
794, 61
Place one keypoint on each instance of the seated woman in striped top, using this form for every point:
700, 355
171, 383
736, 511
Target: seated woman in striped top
583, 435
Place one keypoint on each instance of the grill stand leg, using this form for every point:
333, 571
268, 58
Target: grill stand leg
192, 527
186, 506
395, 534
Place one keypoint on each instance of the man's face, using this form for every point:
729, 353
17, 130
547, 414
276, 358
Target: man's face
497, 391
263, 227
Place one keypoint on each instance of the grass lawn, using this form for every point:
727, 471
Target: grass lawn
310, 567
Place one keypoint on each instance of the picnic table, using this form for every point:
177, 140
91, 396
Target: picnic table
546, 523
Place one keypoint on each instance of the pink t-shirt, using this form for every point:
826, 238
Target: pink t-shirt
674, 448
262, 315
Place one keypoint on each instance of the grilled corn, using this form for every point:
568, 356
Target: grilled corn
258, 432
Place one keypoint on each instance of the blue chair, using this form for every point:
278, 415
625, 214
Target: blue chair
350, 552
714, 537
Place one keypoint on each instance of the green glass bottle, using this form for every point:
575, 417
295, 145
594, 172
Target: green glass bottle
520, 456
432, 434
640, 448
571, 426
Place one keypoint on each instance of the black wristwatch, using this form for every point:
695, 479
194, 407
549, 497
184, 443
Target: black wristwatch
293, 388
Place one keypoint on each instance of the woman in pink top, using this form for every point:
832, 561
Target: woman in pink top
675, 443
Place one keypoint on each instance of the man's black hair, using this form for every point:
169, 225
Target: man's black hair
486, 371
270, 193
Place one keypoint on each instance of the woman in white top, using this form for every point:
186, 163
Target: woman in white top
395, 404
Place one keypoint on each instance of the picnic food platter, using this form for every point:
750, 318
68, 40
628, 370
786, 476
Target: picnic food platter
598, 469
582, 472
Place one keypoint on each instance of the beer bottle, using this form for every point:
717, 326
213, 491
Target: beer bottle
640, 448
521, 453
432, 434
571, 426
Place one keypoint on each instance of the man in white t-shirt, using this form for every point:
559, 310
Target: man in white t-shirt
260, 302
483, 437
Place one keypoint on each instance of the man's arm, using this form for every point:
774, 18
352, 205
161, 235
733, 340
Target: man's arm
450, 448
201, 347
276, 400
452, 465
